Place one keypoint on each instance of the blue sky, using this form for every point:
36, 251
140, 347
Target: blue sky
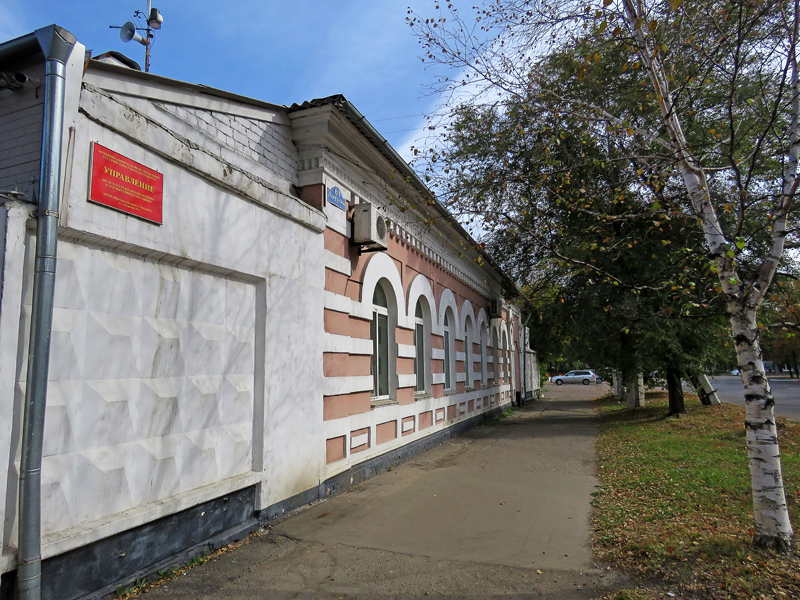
277, 51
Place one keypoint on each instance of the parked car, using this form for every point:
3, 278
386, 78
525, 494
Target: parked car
735, 372
585, 376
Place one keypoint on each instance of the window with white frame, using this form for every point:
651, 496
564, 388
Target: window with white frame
379, 333
448, 369
467, 359
468, 352
484, 341
494, 358
505, 358
420, 340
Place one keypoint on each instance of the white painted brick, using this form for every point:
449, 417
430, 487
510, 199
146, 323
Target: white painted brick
254, 135
238, 127
224, 129
406, 380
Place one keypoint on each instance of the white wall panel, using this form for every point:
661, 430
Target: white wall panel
151, 392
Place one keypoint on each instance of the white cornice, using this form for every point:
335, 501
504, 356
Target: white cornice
330, 146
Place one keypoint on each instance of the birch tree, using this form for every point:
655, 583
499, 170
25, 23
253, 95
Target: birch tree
706, 93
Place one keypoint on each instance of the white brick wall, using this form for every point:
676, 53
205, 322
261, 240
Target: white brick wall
269, 144
21, 115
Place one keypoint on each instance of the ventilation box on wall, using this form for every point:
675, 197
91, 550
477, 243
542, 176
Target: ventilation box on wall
369, 227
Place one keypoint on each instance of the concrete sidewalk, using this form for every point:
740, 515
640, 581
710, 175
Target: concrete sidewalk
501, 511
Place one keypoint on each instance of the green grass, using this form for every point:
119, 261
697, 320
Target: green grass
675, 506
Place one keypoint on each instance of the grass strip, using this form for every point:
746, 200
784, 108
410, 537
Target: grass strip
675, 506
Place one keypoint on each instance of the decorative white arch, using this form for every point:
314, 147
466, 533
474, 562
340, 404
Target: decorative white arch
495, 327
380, 266
502, 327
466, 311
420, 287
481, 320
494, 341
468, 317
484, 338
448, 300
505, 348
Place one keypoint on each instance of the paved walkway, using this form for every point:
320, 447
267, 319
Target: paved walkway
502, 511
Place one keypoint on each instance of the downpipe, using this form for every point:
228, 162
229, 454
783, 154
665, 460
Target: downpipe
56, 44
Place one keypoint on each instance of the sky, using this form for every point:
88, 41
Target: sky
276, 51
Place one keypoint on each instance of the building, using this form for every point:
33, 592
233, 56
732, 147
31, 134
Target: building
254, 306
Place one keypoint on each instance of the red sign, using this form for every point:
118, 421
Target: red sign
126, 185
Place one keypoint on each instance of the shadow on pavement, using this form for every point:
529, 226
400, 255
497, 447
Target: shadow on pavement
501, 511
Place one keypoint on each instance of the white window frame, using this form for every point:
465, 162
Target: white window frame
449, 378
506, 371
467, 360
420, 356
484, 344
495, 361
382, 348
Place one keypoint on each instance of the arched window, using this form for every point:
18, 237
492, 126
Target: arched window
495, 357
484, 343
421, 363
468, 366
379, 332
448, 353
506, 373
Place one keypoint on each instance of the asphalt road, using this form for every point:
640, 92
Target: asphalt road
786, 393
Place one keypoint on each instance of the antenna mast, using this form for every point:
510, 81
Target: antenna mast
128, 31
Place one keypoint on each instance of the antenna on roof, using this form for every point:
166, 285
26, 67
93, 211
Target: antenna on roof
128, 31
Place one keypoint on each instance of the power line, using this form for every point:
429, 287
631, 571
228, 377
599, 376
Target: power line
396, 118
402, 130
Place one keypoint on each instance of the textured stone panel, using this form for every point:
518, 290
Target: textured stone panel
151, 383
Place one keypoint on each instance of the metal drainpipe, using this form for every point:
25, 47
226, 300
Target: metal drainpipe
56, 44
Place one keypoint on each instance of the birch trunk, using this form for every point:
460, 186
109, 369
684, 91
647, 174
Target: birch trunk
711, 393
772, 526
771, 517
635, 391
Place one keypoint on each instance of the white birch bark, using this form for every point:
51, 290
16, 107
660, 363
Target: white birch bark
705, 383
771, 516
634, 391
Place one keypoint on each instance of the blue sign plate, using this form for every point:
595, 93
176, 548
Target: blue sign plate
335, 197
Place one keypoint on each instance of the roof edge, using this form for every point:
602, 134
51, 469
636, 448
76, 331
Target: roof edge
385, 148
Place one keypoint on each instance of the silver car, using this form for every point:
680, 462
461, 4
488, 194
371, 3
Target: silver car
585, 377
